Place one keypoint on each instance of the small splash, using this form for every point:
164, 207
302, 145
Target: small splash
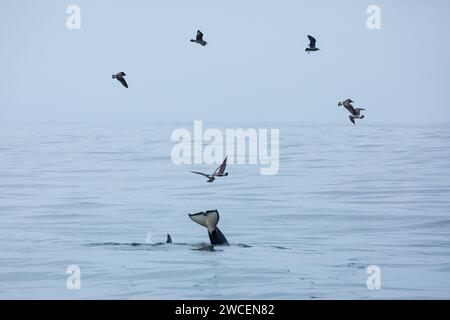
149, 238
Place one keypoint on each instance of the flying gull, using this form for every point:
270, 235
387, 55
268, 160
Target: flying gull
355, 113
120, 76
199, 39
312, 45
219, 172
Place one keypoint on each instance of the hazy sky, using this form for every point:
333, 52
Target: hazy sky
254, 67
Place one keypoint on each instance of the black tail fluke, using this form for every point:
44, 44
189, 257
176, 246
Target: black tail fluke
216, 237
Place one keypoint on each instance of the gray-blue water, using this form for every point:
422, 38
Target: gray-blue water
101, 196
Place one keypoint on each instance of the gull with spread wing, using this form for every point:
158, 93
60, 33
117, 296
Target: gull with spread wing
355, 113
199, 39
219, 172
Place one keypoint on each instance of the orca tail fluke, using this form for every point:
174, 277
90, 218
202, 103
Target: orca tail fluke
209, 220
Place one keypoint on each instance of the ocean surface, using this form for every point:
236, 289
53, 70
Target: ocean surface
103, 196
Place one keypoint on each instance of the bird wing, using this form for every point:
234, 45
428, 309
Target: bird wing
201, 173
122, 81
312, 41
199, 36
358, 110
351, 119
121, 74
222, 167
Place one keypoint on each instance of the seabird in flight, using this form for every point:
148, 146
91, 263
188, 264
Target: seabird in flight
199, 39
120, 76
355, 113
312, 44
219, 172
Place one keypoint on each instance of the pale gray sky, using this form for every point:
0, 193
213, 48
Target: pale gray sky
254, 67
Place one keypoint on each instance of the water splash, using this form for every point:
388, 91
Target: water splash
149, 238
